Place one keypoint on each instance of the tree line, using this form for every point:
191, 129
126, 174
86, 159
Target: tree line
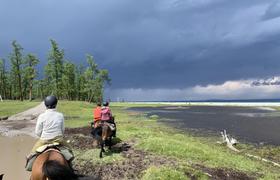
19, 78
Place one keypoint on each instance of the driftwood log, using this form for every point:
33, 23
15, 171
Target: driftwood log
230, 142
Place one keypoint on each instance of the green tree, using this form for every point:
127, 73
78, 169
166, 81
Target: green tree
95, 81
3, 79
101, 79
80, 82
16, 59
30, 72
54, 69
68, 79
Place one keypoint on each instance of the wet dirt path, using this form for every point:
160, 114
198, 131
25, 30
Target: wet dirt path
22, 123
17, 138
13, 151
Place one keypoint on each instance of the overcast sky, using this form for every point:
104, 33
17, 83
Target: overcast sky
157, 49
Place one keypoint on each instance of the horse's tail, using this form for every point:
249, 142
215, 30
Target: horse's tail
53, 170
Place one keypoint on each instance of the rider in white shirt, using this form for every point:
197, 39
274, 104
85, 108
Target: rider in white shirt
49, 127
50, 124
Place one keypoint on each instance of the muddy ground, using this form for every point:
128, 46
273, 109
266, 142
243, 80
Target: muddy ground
135, 161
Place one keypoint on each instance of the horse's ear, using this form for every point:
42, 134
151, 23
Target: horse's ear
1, 176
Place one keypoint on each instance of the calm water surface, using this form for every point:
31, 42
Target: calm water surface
253, 124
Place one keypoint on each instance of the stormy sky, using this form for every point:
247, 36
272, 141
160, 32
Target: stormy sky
157, 49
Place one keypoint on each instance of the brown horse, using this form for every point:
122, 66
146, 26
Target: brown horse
51, 165
103, 134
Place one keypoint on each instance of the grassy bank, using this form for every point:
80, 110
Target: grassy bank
192, 154
8, 108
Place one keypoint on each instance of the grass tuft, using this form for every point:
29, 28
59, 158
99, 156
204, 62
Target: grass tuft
163, 173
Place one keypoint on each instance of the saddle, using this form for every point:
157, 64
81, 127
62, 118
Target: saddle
67, 153
109, 124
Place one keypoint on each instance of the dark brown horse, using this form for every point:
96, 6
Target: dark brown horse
51, 165
103, 134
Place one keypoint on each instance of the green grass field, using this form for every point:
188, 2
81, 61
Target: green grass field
188, 151
8, 108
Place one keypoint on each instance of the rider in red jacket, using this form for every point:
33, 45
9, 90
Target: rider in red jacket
97, 114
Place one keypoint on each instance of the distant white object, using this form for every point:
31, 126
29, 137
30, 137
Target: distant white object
1, 98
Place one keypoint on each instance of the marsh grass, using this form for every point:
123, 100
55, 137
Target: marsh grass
163, 173
92, 156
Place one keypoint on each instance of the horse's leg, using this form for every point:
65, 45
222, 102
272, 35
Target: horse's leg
110, 143
102, 141
109, 135
101, 148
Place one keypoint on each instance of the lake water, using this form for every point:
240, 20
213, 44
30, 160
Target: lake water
252, 124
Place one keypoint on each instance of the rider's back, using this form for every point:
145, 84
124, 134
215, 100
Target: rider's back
50, 124
106, 113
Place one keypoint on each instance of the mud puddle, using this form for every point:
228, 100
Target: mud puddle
13, 151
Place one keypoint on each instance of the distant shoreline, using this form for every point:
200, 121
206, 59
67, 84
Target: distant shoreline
207, 103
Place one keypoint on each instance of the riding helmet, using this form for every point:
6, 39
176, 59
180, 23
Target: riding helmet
106, 103
50, 102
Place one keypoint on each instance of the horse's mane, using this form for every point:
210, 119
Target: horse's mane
53, 170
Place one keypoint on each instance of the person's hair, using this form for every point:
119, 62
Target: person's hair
98, 104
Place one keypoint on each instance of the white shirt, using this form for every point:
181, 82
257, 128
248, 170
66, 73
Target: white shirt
50, 124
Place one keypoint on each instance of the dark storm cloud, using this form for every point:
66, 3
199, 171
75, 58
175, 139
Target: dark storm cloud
153, 43
273, 11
